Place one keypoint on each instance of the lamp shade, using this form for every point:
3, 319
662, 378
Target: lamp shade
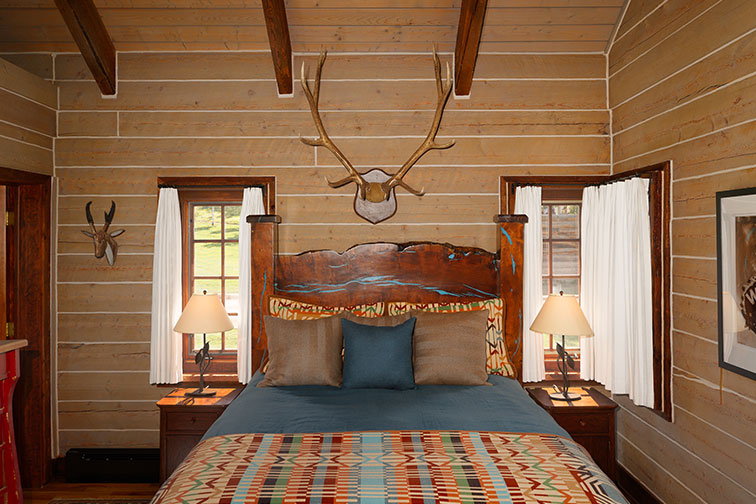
561, 315
204, 313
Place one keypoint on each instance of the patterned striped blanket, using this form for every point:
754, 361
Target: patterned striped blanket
397, 467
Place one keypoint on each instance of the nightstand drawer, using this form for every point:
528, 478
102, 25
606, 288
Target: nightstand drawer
584, 423
189, 421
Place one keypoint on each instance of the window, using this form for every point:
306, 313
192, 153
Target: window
561, 269
213, 230
210, 217
566, 191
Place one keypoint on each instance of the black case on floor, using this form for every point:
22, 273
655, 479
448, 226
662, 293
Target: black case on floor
112, 465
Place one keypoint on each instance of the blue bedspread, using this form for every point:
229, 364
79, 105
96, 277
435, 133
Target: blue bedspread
503, 407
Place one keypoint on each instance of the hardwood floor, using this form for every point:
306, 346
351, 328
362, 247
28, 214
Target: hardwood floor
60, 490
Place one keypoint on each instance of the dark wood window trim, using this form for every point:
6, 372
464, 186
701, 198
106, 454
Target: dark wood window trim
660, 197
211, 190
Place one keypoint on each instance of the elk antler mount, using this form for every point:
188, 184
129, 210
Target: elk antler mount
104, 242
375, 200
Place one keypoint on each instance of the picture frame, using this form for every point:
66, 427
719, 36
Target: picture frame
736, 280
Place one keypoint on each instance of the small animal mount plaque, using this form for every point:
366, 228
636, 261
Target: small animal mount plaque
375, 200
104, 242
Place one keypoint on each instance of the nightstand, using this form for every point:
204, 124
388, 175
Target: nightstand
589, 420
183, 422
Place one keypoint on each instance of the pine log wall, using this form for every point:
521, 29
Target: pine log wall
218, 113
682, 86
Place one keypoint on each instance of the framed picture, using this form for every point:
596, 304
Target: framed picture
736, 280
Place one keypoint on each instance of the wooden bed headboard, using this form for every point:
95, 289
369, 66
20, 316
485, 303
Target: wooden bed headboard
418, 272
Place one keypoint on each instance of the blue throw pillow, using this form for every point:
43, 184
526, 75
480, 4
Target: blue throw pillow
378, 357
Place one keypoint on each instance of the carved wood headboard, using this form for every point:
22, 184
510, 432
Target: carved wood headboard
418, 272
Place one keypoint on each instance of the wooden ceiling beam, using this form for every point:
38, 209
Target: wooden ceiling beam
280, 43
471, 15
95, 44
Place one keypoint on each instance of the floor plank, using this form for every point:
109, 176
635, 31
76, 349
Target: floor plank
60, 490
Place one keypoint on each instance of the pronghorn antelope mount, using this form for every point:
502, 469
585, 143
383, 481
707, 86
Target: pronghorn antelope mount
104, 242
375, 199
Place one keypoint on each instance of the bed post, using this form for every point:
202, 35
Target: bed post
511, 234
263, 244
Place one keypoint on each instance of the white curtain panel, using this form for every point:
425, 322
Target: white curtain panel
252, 204
616, 289
165, 344
528, 202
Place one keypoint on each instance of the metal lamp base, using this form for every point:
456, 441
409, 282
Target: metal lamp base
200, 393
560, 396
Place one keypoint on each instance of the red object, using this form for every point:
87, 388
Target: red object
10, 487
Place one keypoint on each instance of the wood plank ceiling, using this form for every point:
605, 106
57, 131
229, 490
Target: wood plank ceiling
337, 25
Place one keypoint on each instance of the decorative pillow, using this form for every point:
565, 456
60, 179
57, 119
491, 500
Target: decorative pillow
450, 348
303, 352
297, 310
378, 357
497, 358
378, 321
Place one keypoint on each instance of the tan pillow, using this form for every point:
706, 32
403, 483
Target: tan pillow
303, 352
379, 321
450, 348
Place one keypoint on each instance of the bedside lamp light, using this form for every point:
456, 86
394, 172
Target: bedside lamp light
204, 313
561, 314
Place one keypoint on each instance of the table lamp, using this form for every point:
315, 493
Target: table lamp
204, 313
561, 314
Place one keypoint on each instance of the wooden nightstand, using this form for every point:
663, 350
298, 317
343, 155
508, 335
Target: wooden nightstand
589, 420
183, 422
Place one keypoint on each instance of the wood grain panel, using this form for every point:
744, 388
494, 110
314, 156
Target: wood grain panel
723, 150
730, 105
128, 268
25, 157
40, 65
672, 15
699, 476
17, 110
696, 316
343, 123
136, 239
697, 196
131, 210
636, 11
17, 133
700, 356
78, 327
695, 276
27, 84
107, 386
104, 298
708, 32
525, 150
735, 415
719, 69
93, 415
87, 124
103, 356
181, 151
109, 439
305, 180
240, 95
410, 209
541, 66
293, 239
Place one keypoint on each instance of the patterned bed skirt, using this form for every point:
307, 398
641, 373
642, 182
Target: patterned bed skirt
399, 467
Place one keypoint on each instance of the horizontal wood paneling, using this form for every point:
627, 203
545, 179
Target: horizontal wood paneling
103, 356
109, 439
552, 25
117, 385
83, 415
101, 327
168, 121
27, 84
681, 90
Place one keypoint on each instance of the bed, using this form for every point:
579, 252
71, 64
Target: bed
429, 444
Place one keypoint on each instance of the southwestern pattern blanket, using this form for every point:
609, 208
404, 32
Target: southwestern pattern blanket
397, 466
